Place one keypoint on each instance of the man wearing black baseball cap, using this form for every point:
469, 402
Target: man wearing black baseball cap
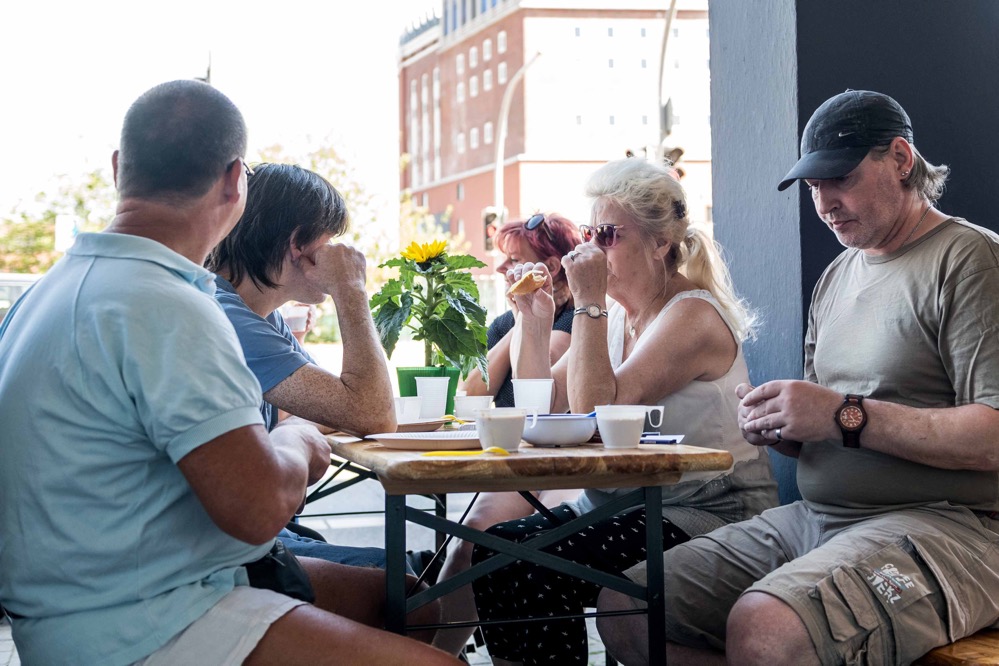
893, 550
843, 130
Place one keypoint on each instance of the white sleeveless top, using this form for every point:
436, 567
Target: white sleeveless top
705, 413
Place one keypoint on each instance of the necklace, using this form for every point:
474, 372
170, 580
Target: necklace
631, 327
906, 242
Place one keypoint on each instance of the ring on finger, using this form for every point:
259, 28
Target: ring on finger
777, 435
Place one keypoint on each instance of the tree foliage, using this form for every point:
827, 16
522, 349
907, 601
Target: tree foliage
27, 232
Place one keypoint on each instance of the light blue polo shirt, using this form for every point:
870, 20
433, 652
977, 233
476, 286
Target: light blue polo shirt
113, 367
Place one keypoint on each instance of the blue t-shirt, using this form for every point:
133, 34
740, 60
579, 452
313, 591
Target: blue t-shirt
116, 365
500, 327
272, 352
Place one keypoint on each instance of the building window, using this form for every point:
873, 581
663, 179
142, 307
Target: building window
482, 7
676, 32
579, 120
643, 32
425, 200
487, 133
644, 64
610, 63
612, 120
473, 138
577, 32
459, 64
487, 79
473, 58
645, 120
501, 73
473, 86
460, 143
676, 64
610, 32
501, 42
487, 50
460, 92
460, 192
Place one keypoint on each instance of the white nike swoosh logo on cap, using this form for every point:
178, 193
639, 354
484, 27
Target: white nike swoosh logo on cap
846, 133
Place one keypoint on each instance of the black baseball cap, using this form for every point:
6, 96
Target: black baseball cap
843, 130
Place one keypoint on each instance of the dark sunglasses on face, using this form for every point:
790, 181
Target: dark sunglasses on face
604, 235
538, 220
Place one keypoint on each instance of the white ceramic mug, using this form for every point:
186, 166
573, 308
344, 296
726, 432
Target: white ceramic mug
465, 406
296, 316
433, 392
407, 409
621, 426
533, 394
502, 426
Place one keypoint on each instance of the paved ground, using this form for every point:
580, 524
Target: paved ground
8, 655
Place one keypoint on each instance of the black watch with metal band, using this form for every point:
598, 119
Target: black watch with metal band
851, 417
593, 311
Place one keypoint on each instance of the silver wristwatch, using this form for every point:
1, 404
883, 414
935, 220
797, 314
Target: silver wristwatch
592, 311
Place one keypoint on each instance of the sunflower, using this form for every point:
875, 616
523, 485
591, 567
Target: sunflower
424, 252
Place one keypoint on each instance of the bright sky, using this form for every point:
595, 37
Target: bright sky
300, 72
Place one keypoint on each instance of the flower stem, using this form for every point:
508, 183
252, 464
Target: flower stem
430, 304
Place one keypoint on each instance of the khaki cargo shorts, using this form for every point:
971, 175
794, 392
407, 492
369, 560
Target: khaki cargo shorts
875, 590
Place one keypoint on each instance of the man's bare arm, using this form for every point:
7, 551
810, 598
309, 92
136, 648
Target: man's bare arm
359, 400
961, 437
250, 483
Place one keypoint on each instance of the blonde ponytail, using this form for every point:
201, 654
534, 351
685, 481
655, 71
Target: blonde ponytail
700, 259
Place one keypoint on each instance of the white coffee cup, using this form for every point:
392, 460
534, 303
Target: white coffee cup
407, 409
465, 406
533, 394
433, 392
295, 316
621, 426
502, 426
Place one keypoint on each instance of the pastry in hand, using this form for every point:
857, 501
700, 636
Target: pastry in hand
531, 281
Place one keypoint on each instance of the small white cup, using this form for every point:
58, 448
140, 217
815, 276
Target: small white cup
533, 394
621, 426
295, 316
433, 392
503, 426
407, 409
465, 406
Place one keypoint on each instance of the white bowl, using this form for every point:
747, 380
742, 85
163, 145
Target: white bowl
560, 430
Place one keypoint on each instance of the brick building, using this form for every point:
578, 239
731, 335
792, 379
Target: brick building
591, 94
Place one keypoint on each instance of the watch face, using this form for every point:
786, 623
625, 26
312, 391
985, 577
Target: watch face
851, 417
593, 310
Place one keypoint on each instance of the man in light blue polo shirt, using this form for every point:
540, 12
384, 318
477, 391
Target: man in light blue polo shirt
136, 476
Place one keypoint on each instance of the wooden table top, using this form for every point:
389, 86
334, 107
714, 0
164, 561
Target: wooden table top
586, 466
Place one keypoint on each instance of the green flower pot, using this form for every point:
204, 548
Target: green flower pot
407, 380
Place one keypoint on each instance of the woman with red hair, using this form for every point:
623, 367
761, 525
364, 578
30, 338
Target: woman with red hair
541, 238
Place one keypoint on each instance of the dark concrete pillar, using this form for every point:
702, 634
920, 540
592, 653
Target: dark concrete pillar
772, 63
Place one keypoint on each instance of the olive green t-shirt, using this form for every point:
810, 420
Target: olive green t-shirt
918, 327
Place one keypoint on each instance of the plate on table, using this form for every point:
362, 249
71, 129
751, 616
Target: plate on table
420, 425
446, 440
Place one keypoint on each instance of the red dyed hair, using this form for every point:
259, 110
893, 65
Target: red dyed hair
564, 236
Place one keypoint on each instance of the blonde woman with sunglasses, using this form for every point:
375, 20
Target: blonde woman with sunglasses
673, 337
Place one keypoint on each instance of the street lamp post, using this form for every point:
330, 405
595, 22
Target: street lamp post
501, 136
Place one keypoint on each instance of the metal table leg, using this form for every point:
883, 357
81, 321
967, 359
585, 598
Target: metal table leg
656, 577
395, 563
